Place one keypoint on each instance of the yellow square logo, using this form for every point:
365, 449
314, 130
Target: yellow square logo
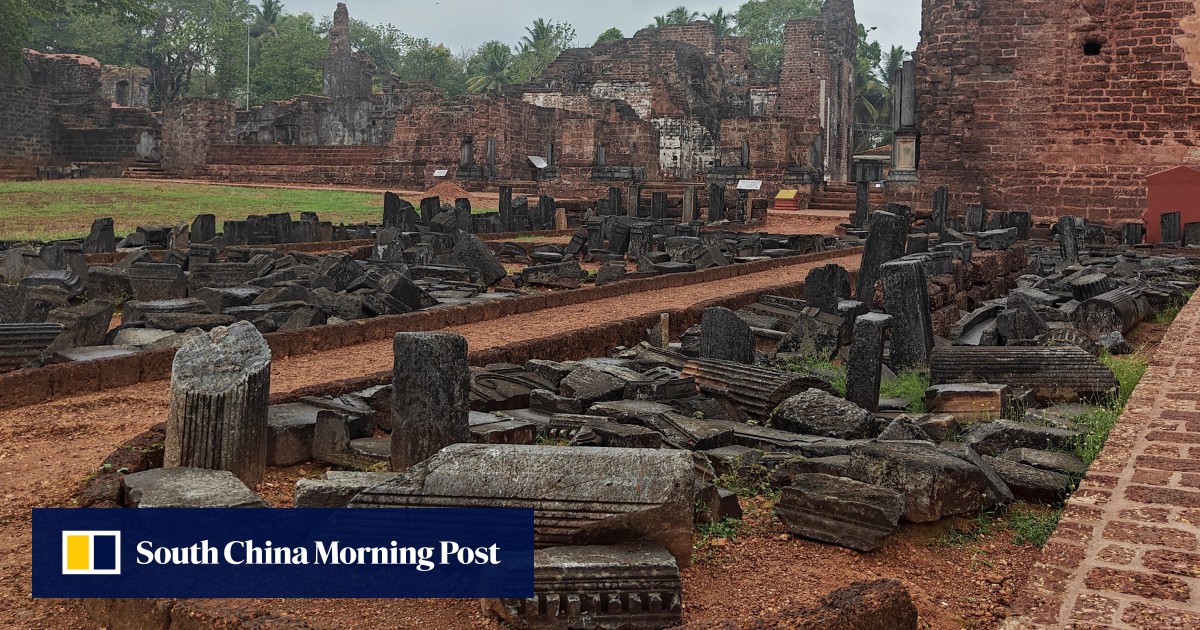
91, 553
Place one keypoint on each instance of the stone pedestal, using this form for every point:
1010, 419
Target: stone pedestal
864, 369
220, 391
431, 395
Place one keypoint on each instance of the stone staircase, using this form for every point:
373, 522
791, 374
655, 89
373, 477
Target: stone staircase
145, 169
837, 200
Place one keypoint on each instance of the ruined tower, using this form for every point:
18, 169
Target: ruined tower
347, 74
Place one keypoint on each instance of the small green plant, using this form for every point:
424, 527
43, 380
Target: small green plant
726, 528
746, 480
834, 372
1030, 526
699, 415
1171, 310
545, 440
963, 534
909, 385
1098, 421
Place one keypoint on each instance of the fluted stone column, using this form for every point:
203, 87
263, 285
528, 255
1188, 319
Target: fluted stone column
431, 395
220, 393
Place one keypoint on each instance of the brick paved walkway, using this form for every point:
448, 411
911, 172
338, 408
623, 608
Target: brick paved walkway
1125, 554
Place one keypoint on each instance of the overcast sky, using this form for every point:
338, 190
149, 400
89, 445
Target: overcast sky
467, 23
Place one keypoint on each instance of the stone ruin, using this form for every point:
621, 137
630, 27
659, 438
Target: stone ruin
742, 395
170, 282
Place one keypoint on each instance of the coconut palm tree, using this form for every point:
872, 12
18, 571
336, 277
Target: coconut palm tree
723, 24
681, 15
266, 18
538, 36
494, 73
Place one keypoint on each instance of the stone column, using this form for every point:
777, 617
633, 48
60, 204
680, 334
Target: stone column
505, 208
906, 299
431, 395
689, 204
1068, 239
658, 205
885, 241
864, 369
430, 207
941, 206
220, 393
716, 202
725, 336
862, 203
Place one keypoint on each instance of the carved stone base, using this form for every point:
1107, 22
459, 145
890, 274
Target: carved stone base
627, 587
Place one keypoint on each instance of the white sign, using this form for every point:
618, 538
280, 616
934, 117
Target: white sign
537, 161
749, 184
441, 172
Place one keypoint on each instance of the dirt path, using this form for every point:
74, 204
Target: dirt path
46, 450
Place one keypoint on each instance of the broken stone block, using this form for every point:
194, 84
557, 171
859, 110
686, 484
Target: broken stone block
996, 239
942, 427
903, 429
83, 325
815, 412
725, 337
220, 386
970, 402
885, 242
591, 385
1064, 463
560, 485
1114, 343
552, 371
490, 429
107, 283
564, 275
157, 281
101, 239
474, 253
337, 488
814, 333
933, 484
1033, 484
548, 401
139, 337
431, 389
183, 487
1052, 373
22, 343
341, 439
179, 322
840, 511
290, 433
609, 272
826, 286
994, 438
619, 587
341, 268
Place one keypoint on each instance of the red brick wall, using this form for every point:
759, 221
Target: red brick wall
1015, 115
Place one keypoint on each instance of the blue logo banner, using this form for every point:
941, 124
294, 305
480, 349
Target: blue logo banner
252, 552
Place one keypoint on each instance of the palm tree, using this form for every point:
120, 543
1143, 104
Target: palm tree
494, 74
266, 17
870, 105
659, 22
722, 22
538, 36
681, 15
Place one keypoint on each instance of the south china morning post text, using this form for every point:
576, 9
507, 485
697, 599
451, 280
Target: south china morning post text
327, 553
238, 552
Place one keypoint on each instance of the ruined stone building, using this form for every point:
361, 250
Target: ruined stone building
71, 109
1056, 106
675, 104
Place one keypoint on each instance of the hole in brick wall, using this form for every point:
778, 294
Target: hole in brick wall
1092, 48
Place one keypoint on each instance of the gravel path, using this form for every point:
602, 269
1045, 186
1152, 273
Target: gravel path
47, 450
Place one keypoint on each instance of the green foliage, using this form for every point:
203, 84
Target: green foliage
723, 23
761, 23
727, 528
541, 45
424, 61
909, 385
611, 35
490, 67
289, 62
746, 480
20, 19
1171, 310
835, 372
1030, 525
1098, 421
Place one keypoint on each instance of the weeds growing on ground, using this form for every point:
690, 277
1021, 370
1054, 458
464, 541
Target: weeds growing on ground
1098, 421
1030, 525
909, 385
834, 372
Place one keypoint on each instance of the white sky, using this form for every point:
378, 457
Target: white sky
467, 23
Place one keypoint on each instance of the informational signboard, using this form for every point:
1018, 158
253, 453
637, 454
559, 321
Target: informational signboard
537, 161
749, 184
441, 172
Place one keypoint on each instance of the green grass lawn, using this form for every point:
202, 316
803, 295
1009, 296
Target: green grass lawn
43, 211
65, 209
